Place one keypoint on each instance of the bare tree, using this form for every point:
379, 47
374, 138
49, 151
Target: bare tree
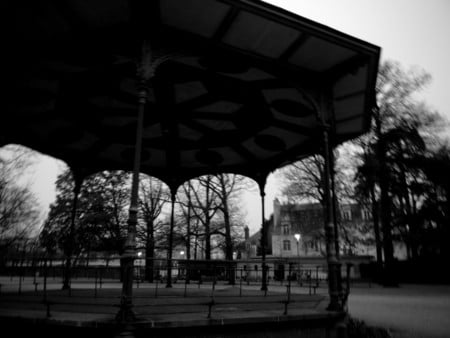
154, 195
187, 218
227, 188
304, 180
304, 183
18, 206
97, 222
401, 128
204, 206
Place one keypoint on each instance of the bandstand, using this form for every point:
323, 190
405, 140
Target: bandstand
179, 89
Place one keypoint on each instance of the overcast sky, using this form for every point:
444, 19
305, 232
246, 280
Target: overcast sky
412, 32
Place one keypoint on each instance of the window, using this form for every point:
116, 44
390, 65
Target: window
347, 215
366, 214
287, 245
285, 229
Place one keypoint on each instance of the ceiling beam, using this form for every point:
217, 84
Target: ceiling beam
226, 23
298, 43
306, 131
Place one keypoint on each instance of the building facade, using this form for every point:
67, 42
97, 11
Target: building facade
298, 230
355, 231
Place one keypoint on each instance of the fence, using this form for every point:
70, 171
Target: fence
200, 286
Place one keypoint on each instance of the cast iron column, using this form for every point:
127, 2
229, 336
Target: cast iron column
263, 238
170, 248
332, 260
334, 202
126, 312
71, 243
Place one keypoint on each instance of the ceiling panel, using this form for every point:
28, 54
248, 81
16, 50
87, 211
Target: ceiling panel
195, 16
259, 35
320, 55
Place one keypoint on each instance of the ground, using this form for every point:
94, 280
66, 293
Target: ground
416, 311
413, 311
214, 309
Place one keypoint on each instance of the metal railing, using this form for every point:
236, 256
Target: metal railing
198, 286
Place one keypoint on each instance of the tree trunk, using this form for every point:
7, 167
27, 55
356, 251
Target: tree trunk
376, 226
188, 240
412, 231
385, 204
195, 246
207, 224
207, 240
388, 248
149, 252
405, 217
228, 240
228, 245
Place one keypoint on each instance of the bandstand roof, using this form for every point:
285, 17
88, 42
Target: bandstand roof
239, 86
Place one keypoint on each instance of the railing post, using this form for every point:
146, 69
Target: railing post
47, 305
210, 305
156, 286
214, 280
310, 281
95, 283
45, 279
288, 288
20, 280
240, 285
34, 274
185, 287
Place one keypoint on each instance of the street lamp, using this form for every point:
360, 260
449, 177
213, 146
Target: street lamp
298, 237
139, 254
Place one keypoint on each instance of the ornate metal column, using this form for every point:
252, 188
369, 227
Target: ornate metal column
333, 263
333, 182
170, 248
334, 202
71, 242
146, 71
263, 239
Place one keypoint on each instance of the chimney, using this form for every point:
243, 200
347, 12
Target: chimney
247, 233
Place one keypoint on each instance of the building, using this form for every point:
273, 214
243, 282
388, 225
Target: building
295, 235
298, 230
